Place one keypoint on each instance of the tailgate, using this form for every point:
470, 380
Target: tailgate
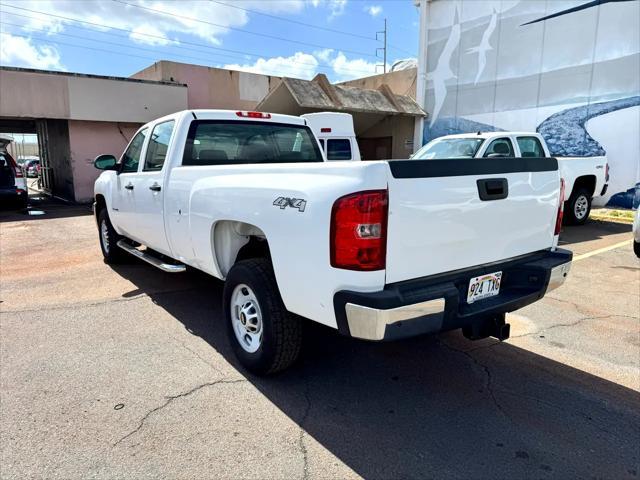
439, 223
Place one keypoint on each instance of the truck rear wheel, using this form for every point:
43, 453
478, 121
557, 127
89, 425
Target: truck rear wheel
108, 239
265, 337
578, 206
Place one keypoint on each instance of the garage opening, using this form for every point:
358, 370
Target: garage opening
41, 149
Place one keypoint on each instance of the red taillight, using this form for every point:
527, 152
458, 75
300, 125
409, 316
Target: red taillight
560, 209
17, 171
325, 130
359, 231
253, 114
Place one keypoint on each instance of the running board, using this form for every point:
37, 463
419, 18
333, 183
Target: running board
156, 262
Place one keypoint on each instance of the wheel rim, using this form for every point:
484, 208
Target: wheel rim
580, 207
104, 236
246, 318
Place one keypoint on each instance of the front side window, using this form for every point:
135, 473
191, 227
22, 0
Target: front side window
447, 148
158, 144
223, 142
530, 147
500, 147
131, 157
338, 149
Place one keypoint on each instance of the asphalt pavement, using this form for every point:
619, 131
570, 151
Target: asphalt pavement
125, 372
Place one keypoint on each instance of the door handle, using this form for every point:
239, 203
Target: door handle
493, 189
129, 186
155, 187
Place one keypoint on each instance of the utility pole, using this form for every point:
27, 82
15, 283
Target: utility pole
384, 48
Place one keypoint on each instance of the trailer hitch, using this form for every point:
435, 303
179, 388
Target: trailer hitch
491, 327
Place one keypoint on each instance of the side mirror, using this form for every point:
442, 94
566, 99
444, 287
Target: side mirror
105, 162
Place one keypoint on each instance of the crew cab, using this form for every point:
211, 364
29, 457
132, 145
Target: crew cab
584, 177
377, 250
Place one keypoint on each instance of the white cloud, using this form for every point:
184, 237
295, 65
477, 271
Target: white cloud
150, 35
335, 65
20, 52
299, 65
373, 10
175, 20
346, 69
335, 7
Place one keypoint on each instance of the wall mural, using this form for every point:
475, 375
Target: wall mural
572, 74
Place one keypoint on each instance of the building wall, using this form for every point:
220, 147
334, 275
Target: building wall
400, 128
569, 70
32, 94
213, 87
88, 140
401, 82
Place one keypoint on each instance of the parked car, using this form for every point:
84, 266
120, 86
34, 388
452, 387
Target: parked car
636, 232
584, 177
13, 186
335, 133
377, 250
33, 168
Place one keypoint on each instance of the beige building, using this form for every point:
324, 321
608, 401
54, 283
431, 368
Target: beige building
77, 117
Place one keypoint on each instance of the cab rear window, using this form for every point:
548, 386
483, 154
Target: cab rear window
223, 142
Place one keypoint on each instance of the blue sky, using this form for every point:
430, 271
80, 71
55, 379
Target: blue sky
121, 37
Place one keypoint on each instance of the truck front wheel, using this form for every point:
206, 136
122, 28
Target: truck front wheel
108, 239
265, 337
577, 208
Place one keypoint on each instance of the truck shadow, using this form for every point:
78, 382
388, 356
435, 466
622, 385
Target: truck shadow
433, 406
592, 230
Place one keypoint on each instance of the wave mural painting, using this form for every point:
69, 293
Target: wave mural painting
569, 70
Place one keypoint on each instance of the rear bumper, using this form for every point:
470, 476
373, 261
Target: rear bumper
12, 194
438, 303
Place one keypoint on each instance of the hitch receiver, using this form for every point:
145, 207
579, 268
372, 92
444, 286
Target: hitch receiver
490, 327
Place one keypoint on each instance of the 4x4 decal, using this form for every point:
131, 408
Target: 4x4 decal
284, 202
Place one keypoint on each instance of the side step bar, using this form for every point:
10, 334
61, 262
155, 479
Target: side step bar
156, 262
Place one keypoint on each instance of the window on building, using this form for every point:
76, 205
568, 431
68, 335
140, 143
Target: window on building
338, 149
500, 147
530, 147
131, 157
158, 144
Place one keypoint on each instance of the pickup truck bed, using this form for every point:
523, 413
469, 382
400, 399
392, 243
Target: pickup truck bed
377, 250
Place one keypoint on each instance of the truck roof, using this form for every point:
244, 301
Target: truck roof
341, 124
485, 135
211, 114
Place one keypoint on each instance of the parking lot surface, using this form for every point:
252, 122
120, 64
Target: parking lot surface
125, 372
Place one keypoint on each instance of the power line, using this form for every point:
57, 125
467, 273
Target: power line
57, 42
242, 30
234, 57
297, 22
99, 25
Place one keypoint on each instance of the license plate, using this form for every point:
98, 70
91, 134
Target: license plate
484, 286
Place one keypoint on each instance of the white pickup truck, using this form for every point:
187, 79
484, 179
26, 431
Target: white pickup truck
377, 250
584, 177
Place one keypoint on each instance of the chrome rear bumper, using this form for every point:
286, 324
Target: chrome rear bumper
558, 276
371, 324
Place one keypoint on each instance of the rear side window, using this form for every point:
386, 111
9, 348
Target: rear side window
338, 149
158, 144
530, 147
131, 157
223, 142
500, 147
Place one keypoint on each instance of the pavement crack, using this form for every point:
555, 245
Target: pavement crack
570, 324
169, 400
487, 371
301, 444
